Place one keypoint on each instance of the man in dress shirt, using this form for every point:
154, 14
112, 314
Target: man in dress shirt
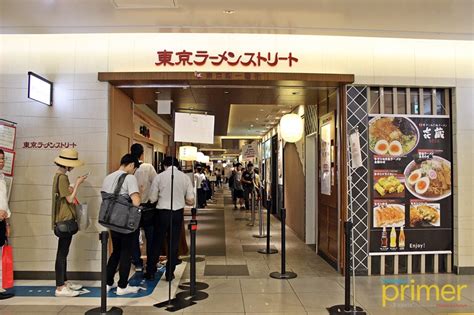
183, 194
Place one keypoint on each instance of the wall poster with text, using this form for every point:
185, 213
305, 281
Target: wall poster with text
411, 180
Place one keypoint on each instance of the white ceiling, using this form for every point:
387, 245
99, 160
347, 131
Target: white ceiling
448, 19
254, 120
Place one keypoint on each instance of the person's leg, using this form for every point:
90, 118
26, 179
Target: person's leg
61, 259
160, 227
114, 258
149, 235
125, 259
247, 199
136, 254
176, 232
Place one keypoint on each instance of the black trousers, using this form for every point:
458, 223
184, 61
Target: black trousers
61, 260
162, 228
248, 197
121, 257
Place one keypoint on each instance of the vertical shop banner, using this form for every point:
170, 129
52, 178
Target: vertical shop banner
411, 180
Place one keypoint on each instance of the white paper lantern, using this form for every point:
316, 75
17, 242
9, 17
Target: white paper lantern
206, 159
291, 126
200, 157
187, 153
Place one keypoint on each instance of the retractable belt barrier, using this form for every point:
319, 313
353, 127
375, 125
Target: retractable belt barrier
267, 250
102, 310
260, 217
283, 274
347, 308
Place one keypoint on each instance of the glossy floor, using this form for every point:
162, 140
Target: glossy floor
317, 286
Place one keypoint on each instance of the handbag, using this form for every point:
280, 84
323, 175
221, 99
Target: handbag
117, 212
65, 228
83, 219
7, 266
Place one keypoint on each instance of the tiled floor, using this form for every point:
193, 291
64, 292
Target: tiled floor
317, 286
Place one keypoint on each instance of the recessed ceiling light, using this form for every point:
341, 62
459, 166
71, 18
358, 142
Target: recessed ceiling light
157, 92
256, 118
226, 92
251, 126
228, 11
261, 109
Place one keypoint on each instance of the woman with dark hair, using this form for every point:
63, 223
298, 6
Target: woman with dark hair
63, 209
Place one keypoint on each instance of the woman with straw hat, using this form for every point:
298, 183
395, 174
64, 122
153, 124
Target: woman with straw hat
64, 210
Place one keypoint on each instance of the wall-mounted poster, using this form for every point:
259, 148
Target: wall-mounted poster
326, 154
280, 162
7, 136
9, 163
411, 179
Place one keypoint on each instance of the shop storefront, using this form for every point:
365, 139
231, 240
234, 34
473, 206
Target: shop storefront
427, 83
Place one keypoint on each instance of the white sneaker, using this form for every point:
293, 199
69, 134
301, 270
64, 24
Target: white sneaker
110, 287
128, 290
73, 286
66, 292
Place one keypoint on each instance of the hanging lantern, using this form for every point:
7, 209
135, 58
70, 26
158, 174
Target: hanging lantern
206, 159
291, 127
200, 157
187, 153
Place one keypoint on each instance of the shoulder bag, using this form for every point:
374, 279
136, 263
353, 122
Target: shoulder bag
65, 228
117, 212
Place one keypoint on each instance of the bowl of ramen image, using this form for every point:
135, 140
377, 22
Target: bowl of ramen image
429, 179
392, 136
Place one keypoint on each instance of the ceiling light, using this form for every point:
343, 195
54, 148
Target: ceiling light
228, 11
157, 92
226, 92
261, 109
256, 118
251, 126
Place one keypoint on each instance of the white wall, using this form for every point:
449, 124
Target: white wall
80, 109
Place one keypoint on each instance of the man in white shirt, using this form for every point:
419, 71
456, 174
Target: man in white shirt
183, 194
145, 175
199, 178
4, 218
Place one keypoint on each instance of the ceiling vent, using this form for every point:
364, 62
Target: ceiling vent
145, 4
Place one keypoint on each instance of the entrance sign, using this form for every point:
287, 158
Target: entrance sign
249, 151
194, 128
169, 58
411, 180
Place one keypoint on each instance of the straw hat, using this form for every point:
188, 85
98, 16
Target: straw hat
68, 158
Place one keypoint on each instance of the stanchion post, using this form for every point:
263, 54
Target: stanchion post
260, 216
102, 310
193, 213
267, 250
192, 226
347, 273
347, 308
283, 274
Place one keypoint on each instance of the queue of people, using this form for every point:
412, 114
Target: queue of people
243, 182
162, 218
142, 187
